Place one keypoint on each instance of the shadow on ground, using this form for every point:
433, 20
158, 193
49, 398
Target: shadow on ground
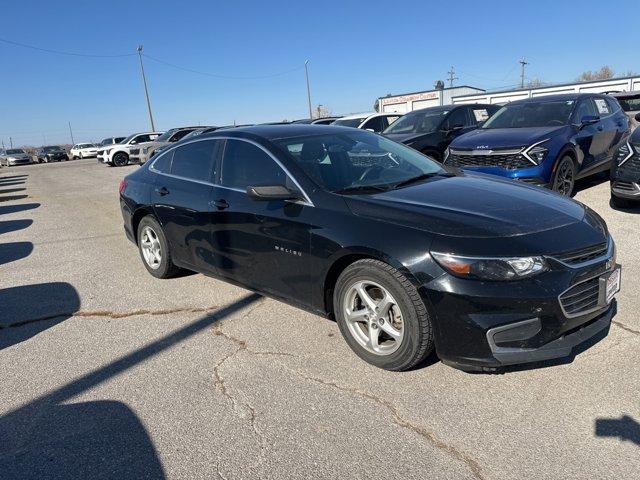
17, 208
48, 438
8, 198
11, 183
35, 308
591, 181
12, 190
625, 428
14, 225
13, 177
12, 251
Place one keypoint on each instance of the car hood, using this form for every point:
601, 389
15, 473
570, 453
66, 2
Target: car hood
470, 205
497, 138
406, 138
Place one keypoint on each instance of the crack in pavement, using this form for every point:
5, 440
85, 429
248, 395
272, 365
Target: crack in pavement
624, 327
111, 314
401, 421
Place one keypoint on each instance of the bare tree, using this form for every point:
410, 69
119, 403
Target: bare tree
535, 83
604, 73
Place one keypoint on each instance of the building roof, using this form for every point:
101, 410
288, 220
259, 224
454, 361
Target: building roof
391, 95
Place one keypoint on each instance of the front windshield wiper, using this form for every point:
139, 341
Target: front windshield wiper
421, 177
356, 189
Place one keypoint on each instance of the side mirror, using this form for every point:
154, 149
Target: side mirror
271, 192
588, 120
637, 117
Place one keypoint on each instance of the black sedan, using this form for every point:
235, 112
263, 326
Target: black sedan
408, 257
52, 153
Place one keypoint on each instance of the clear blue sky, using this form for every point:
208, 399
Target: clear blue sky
358, 51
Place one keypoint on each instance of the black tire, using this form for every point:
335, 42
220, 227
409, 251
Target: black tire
166, 267
417, 342
621, 202
120, 159
564, 178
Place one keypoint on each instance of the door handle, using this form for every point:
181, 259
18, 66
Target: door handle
162, 191
220, 204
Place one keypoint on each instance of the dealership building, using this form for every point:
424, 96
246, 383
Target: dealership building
465, 94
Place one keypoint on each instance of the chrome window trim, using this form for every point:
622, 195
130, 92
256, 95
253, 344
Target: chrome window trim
307, 201
608, 254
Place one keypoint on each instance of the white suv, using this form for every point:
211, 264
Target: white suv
373, 121
118, 153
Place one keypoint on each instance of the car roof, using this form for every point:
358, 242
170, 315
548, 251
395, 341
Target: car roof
360, 115
276, 132
551, 98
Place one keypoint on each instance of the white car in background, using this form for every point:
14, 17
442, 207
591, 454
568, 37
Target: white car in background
83, 150
118, 154
373, 121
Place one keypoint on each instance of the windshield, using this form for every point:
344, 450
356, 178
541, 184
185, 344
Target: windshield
357, 160
419, 122
629, 104
129, 138
108, 141
349, 122
15, 151
532, 114
195, 133
52, 149
166, 135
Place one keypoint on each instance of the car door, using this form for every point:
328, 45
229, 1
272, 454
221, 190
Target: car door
591, 138
455, 124
181, 200
261, 244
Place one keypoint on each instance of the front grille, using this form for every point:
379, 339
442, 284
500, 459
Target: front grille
581, 298
631, 167
581, 255
510, 161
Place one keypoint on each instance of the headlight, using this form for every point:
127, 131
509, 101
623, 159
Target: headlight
446, 154
535, 153
145, 150
625, 152
507, 268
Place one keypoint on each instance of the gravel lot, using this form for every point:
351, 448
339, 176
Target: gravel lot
106, 372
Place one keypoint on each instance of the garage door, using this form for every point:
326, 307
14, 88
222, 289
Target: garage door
395, 108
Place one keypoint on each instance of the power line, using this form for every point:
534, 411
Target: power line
60, 52
452, 76
228, 77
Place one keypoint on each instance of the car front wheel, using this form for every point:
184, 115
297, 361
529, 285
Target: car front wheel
381, 315
120, 159
564, 178
154, 249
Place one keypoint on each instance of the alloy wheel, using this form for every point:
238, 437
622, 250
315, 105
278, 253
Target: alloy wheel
564, 179
373, 317
151, 249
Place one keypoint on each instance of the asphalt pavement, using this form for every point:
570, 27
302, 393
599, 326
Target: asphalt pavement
107, 372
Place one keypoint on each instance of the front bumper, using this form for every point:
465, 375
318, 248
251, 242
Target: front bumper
19, 161
626, 189
487, 325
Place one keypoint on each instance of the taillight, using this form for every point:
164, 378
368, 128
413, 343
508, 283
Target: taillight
123, 185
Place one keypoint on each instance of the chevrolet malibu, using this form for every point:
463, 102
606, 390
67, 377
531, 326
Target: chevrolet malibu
407, 256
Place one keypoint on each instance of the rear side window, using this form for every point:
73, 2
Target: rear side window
245, 164
195, 160
480, 114
613, 104
602, 106
163, 163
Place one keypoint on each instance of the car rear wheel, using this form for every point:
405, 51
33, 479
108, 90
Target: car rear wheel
154, 249
564, 178
381, 315
120, 159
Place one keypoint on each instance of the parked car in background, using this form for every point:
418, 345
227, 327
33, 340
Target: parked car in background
52, 153
117, 154
625, 173
83, 150
143, 151
14, 156
548, 141
375, 122
317, 121
431, 130
630, 103
407, 256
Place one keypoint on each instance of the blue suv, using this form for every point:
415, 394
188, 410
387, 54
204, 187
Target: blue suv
549, 141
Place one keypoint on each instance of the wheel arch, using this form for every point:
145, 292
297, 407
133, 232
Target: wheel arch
567, 151
137, 217
342, 260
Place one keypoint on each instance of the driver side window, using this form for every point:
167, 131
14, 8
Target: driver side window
585, 108
457, 118
245, 164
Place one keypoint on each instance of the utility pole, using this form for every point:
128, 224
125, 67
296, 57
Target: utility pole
306, 72
11, 142
522, 62
452, 76
146, 91
71, 132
